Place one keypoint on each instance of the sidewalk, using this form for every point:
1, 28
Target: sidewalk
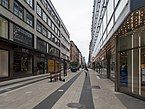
107, 98
77, 92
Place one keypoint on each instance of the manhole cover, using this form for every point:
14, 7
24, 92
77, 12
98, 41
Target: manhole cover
76, 105
96, 87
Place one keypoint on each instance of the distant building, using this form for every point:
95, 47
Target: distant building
75, 54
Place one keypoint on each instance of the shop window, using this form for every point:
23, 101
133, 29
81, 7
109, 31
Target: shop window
142, 34
29, 19
39, 10
125, 71
3, 28
125, 42
4, 63
5, 3
112, 67
18, 10
22, 64
143, 71
30, 2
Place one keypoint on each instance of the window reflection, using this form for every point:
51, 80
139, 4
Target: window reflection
143, 70
3, 28
3, 63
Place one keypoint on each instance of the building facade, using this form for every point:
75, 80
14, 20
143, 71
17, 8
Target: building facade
30, 38
117, 44
75, 54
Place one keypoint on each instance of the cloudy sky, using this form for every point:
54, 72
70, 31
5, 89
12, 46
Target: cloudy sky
77, 16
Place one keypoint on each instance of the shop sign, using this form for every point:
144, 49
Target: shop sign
51, 65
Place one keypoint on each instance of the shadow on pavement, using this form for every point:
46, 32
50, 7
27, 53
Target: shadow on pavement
130, 102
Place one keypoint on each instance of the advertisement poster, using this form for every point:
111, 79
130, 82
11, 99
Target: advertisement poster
123, 75
51, 65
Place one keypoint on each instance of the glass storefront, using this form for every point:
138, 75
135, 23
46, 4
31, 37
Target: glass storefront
4, 63
41, 65
112, 67
22, 64
132, 62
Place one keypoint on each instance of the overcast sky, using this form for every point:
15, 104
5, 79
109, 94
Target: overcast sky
77, 17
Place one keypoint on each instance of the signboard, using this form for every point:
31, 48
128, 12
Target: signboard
51, 65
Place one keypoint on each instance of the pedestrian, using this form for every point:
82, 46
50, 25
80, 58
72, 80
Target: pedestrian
86, 71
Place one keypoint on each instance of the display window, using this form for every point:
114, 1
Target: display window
41, 65
4, 62
22, 64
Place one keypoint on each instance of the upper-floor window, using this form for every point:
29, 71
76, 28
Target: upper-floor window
3, 28
18, 10
22, 36
5, 3
49, 22
39, 10
44, 17
29, 19
48, 34
39, 26
44, 31
30, 2
44, 2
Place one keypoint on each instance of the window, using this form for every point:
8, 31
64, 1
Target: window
53, 38
4, 63
5, 3
51, 50
39, 10
110, 9
53, 27
49, 22
22, 36
39, 27
49, 35
29, 19
120, 8
44, 31
41, 45
44, 2
30, 2
18, 10
44, 17
3, 28
57, 52
58, 32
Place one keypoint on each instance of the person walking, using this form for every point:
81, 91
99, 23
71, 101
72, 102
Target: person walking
86, 71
